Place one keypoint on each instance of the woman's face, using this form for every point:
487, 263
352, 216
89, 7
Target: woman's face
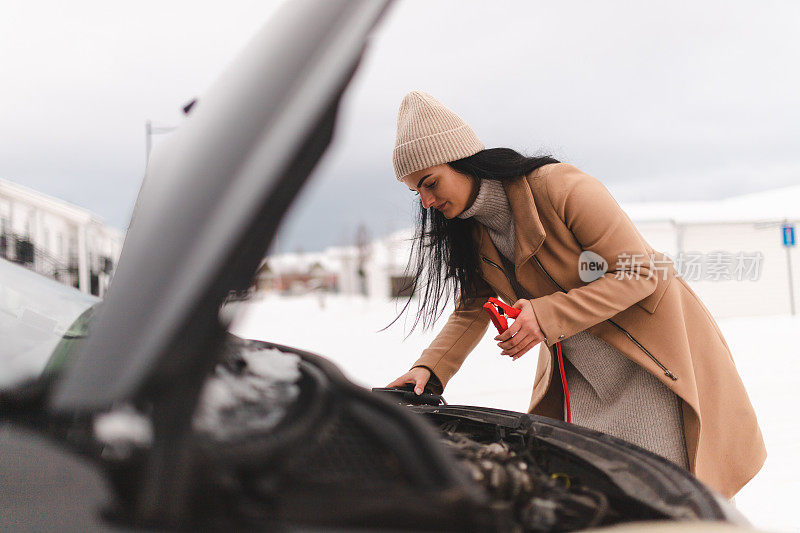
442, 188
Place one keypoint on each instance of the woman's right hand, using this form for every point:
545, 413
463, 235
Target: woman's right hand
419, 376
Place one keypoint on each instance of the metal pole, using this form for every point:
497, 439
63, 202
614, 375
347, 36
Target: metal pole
148, 133
791, 282
789, 271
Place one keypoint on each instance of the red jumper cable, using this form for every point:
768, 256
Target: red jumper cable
498, 311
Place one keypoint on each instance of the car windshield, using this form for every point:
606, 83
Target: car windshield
36, 314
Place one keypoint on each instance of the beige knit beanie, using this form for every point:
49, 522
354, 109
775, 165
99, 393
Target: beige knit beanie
429, 134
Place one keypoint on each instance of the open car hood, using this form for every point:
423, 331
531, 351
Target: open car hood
212, 200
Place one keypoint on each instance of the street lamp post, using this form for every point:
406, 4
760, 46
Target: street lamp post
149, 131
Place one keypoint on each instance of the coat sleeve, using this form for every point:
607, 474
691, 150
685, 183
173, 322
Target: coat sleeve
601, 226
461, 333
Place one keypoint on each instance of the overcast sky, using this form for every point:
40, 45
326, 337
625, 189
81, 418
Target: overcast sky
659, 100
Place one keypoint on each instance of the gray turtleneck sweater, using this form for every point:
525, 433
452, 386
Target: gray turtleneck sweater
608, 391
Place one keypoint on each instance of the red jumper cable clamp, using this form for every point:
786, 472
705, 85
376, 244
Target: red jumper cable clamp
498, 311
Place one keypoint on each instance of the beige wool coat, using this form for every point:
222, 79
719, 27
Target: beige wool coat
654, 318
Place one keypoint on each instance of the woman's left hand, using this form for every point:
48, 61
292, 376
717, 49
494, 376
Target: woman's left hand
523, 334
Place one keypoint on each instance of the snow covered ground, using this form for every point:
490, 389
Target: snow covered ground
345, 330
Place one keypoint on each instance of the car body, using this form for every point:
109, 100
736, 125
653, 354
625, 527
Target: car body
150, 414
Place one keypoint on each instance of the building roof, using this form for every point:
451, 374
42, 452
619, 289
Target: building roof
770, 205
47, 202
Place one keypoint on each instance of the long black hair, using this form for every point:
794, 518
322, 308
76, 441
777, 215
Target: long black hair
444, 260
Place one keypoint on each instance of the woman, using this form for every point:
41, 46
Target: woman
644, 359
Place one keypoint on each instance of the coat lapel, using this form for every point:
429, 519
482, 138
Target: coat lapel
528, 229
491, 264
529, 236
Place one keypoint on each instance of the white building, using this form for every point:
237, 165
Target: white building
720, 235
335, 269
374, 270
57, 239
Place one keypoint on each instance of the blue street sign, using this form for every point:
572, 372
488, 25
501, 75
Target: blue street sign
788, 234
